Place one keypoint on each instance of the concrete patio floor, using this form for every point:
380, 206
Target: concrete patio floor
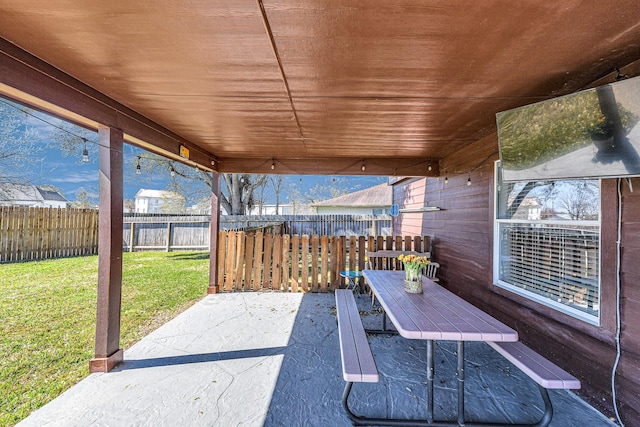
273, 359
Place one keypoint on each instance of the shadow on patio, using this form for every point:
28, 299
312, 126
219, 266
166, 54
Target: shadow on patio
273, 359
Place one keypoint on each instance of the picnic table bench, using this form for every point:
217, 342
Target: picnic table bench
357, 360
547, 374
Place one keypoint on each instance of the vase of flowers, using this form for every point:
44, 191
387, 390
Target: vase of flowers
412, 266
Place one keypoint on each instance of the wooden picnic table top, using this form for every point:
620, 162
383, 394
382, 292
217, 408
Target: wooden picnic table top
436, 314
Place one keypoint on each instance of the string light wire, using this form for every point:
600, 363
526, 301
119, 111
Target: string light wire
82, 138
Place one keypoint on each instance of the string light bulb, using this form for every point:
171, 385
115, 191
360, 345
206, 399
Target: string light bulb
446, 179
172, 171
364, 167
273, 164
85, 152
138, 168
469, 179
429, 168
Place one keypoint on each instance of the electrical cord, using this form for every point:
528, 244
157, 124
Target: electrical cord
618, 320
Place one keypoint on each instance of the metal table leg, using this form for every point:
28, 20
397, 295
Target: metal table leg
430, 375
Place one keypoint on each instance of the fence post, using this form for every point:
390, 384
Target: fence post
132, 236
168, 241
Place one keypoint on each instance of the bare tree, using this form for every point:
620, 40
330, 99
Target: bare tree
72, 140
277, 183
581, 200
328, 190
240, 188
84, 199
18, 144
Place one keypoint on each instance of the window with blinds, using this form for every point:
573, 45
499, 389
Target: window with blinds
547, 243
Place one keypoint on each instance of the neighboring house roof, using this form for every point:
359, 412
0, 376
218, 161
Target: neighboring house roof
158, 194
28, 193
51, 195
380, 195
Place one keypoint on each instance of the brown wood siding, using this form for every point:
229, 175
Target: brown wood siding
630, 270
462, 234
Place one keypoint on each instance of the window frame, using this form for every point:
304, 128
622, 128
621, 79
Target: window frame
532, 296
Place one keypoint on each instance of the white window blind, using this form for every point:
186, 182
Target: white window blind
547, 245
555, 262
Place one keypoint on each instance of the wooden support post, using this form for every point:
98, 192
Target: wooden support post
214, 286
107, 351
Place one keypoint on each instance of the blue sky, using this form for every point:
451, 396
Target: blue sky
70, 174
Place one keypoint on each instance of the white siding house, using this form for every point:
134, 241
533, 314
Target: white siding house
159, 201
30, 195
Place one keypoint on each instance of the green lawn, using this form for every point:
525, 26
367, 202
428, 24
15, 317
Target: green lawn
48, 311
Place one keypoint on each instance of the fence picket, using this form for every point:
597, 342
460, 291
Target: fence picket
341, 262
277, 263
315, 240
324, 273
361, 252
295, 262
238, 275
231, 245
268, 257
286, 277
248, 262
222, 252
305, 262
257, 274
353, 253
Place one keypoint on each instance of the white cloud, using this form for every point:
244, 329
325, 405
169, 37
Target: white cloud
76, 177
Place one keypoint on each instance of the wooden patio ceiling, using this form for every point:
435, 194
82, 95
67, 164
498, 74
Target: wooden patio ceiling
317, 86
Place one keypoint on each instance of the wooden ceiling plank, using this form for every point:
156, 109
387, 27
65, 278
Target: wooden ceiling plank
29, 80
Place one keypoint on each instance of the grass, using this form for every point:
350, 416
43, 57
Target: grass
48, 312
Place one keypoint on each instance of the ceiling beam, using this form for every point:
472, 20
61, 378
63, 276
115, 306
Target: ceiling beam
33, 82
411, 166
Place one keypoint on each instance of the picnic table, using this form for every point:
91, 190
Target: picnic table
436, 314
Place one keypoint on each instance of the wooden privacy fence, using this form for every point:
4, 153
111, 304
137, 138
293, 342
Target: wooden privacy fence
166, 232
38, 233
258, 261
